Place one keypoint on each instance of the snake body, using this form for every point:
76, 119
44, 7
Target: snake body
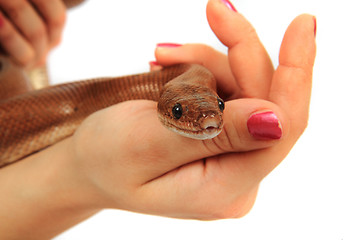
31, 120
187, 104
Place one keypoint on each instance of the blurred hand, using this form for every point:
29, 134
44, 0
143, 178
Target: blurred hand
30, 28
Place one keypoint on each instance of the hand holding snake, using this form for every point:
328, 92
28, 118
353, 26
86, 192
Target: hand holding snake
122, 157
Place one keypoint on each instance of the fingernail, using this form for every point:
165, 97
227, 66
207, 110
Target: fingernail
314, 26
154, 66
168, 45
264, 126
229, 5
2, 21
154, 63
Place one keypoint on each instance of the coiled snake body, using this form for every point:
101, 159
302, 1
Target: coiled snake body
187, 104
32, 120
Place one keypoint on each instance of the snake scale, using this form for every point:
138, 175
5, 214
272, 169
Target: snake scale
33, 120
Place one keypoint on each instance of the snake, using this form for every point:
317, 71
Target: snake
32, 120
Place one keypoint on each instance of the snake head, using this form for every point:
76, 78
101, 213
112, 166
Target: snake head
191, 110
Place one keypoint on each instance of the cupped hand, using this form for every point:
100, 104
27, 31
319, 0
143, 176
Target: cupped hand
135, 164
30, 28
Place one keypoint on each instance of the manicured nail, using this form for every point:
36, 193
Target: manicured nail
2, 21
154, 66
229, 5
314, 26
168, 45
264, 126
154, 63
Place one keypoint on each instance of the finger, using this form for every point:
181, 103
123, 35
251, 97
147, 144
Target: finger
249, 124
164, 144
54, 14
290, 89
22, 14
14, 44
215, 61
210, 197
155, 66
228, 175
248, 58
161, 150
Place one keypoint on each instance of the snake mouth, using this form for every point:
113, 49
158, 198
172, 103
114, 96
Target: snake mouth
206, 130
202, 134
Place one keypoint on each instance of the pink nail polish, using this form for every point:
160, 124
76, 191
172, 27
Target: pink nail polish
2, 21
154, 63
168, 45
264, 126
229, 5
314, 26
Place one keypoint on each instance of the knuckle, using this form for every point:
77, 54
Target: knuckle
253, 36
226, 141
228, 211
203, 49
235, 208
58, 22
300, 126
23, 57
249, 38
202, 52
230, 139
14, 8
55, 42
7, 35
27, 58
299, 69
37, 35
213, 146
232, 201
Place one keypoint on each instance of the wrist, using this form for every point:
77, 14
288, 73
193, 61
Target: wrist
45, 189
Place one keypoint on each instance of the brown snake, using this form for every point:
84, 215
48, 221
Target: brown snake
32, 120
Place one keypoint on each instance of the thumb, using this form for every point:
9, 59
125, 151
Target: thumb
249, 124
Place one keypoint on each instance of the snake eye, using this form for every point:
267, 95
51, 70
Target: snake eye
221, 104
177, 111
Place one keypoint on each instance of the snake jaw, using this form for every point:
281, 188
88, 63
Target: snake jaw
211, 126
203, 134
210, 123
207, 126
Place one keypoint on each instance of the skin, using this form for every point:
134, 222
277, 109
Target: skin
122, 157
29, 42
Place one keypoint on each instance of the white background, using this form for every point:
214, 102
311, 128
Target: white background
315, 192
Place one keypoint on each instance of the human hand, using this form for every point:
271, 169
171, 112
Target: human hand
29, 29
128, 160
